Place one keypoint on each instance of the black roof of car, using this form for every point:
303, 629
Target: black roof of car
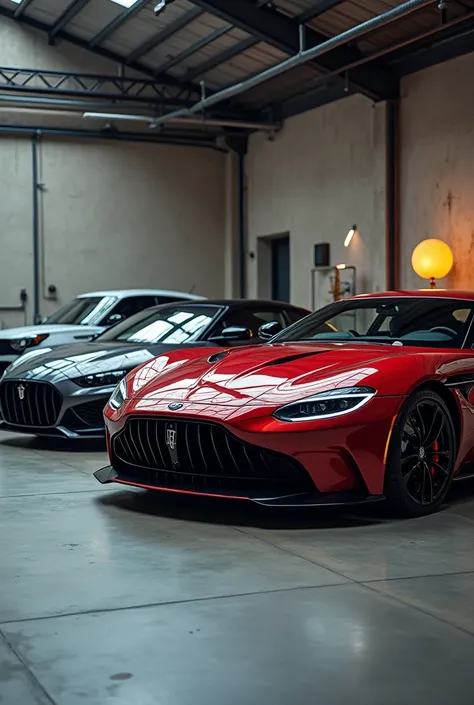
231, 303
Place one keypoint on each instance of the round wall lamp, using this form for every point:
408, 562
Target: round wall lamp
432, 259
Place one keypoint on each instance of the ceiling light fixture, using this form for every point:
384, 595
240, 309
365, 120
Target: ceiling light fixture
350, 235
161, 6
125, 3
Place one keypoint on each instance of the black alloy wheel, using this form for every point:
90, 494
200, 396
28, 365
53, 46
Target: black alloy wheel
422, 456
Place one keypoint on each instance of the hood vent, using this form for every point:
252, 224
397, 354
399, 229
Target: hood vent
217, 357
292, 358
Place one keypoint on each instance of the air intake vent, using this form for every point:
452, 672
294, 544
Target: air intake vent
217, 357
292, 358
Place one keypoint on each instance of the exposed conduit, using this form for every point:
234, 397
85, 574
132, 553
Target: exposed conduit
301, 58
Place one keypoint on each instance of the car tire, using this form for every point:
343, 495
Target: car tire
421, 457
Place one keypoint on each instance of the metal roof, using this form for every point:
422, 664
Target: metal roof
225, 42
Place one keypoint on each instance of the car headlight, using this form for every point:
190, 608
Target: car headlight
101, 379
326, 405
28, 342
119, 395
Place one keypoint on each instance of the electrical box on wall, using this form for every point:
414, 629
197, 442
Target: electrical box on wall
321, 254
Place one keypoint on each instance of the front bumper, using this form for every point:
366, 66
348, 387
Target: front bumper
304, 499
254, 456
60, 410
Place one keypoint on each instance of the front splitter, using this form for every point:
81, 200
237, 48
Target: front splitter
306, 499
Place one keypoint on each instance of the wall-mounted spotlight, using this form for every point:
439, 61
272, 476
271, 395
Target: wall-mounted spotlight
350, 235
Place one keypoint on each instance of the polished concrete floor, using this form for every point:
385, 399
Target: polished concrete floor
128, 598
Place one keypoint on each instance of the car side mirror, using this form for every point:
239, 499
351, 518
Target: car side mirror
232, 334
113, 319
269, 330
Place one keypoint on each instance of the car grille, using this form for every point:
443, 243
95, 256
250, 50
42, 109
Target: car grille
88, 415
206, 458
29, 403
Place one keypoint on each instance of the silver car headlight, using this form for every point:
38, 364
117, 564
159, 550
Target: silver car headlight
326, 405
29, 341
119, 395
101, 379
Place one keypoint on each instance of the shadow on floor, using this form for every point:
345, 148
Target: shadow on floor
56, 444
239, 513
243, 513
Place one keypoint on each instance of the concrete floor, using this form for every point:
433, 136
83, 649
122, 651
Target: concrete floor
129, 598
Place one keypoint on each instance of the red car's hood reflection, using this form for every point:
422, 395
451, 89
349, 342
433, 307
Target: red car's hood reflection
268, 374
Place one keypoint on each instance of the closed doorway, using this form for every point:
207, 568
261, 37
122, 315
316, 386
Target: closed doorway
280, 280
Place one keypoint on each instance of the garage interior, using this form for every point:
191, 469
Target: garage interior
208, 146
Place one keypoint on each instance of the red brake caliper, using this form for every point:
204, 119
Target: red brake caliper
435, 458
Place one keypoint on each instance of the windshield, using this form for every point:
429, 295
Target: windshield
84, 311
424, 321
168, 324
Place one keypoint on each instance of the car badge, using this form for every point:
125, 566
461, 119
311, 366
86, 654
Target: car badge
21, 392
175, 406
171, 438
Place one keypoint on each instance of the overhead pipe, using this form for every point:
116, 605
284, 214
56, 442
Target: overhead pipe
211, 122
178, 140
242, 225
198, 121
392, 195
36, 233
301, 58
321, 80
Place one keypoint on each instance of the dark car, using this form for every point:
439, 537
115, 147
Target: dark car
62, 391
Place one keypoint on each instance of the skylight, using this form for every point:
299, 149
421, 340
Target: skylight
124, 3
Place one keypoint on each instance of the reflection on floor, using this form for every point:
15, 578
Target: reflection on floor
124, 597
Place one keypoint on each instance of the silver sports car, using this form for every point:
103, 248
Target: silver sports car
62, 391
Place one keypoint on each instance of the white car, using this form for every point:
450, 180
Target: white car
82, 319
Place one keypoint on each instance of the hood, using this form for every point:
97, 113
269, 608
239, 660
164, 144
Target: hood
49, 329
81, 359
270, 374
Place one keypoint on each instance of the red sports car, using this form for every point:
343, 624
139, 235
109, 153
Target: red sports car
368, 398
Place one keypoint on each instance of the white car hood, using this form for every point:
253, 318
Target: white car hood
26, 331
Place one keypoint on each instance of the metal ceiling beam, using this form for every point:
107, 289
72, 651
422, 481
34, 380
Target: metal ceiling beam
100, 51
164, 34
21, 8
221, 58
319, 8
192, 49
117, 23
309, 100
69, 13
301, 58
283, 32
449, 44
176, 138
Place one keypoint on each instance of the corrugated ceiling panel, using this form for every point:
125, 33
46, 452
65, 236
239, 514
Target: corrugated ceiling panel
145, 25
257, 59
210, 51
46, 11
192, 33
94, 17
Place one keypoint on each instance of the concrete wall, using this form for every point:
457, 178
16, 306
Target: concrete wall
322, 173
437, 166
112, 214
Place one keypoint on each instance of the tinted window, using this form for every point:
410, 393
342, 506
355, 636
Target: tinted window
130, 305
295, 314
251, 318
180, 323
427, 322
84, 311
